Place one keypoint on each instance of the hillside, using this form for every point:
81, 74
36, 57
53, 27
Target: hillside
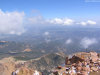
43, 64
47, 62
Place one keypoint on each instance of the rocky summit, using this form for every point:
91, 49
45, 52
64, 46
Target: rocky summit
83, 63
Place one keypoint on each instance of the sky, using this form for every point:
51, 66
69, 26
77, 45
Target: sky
54, 8
15, 14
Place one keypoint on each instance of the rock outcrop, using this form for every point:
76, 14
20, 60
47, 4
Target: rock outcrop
26, 71
80, 64
9, 66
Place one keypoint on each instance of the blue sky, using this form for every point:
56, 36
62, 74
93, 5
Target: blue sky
54, 8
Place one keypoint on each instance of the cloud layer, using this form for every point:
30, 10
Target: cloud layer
63, 21
68, 41
11, 22
46, 33
86, 42
14, 22
60, 21
88, 22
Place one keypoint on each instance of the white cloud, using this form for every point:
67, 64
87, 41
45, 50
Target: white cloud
46, 33
91, 22
58, 21
68, 41
68, 21
86, 42
83, 23
88, 22
54, 21
11, 22
61, 21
